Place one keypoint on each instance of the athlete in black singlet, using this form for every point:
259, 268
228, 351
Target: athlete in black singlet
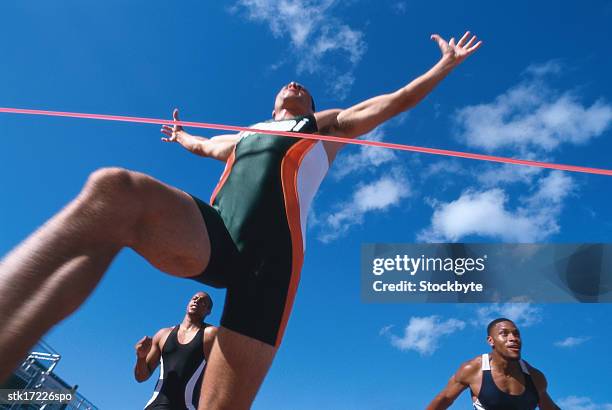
182, 351
500, 380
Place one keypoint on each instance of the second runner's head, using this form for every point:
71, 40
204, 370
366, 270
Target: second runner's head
504, 338
199, 306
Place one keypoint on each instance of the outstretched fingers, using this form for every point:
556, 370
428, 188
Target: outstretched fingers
171, 131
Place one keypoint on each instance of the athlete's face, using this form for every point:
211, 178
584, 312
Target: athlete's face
293, 97
199, 304
505, 339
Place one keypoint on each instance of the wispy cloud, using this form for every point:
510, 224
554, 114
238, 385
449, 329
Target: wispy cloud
551, 67
379, 195
506, 174
582, 403
486, 213
399, 7
423, 334
312, 22
523, 314
533, 116
366, 159
571, 341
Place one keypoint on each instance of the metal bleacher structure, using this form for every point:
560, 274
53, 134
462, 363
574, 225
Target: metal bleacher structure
37, 373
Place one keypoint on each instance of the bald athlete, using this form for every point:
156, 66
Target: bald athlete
264, 192
499, 380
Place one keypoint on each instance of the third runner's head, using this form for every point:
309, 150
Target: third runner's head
200, 305
295, 98
504, 338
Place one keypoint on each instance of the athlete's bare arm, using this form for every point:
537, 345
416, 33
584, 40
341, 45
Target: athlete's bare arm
539, 380
219, 147
367, 115
460, 381
148, 354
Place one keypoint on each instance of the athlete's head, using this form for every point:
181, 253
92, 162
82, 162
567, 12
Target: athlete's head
295, 98
200, 305
504, 338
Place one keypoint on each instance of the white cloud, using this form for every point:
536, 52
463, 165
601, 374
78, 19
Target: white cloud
448, 166
571, 341
551, 67
485, 213
423, 334
523, 314
376, 196
495, 175
366, 159
582, 403
531, 116
311, 22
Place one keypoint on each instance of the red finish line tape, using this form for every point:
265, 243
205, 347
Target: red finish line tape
401, 147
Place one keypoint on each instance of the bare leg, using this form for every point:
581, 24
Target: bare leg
53, 271
236, 368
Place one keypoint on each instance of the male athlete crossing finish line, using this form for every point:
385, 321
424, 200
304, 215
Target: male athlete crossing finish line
264, 192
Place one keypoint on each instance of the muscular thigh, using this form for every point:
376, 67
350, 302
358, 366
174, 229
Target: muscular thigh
170, 233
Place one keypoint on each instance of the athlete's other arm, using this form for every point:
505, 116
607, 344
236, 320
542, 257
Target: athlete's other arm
219, 147
456, 385
148, 353
539, 380
367, 115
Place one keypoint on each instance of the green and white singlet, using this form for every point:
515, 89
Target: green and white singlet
257, 225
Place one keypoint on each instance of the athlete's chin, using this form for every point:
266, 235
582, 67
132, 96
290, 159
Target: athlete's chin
513, 356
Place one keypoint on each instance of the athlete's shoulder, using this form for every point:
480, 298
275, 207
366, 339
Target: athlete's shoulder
210, 332
162, 333
537, 376
327, 121
468, 370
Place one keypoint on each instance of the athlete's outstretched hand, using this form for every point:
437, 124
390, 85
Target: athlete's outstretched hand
456, 53
143, 347
174, 131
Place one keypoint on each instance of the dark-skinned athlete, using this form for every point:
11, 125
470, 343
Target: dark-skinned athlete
499, 380
182, 351
264, 192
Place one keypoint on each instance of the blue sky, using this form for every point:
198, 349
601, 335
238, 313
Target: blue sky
539, 88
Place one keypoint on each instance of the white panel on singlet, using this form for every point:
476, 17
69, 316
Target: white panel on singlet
191, 385
478, 406
160, 383
485, 362
313, 169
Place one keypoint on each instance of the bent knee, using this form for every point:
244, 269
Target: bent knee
109, 180
113, 192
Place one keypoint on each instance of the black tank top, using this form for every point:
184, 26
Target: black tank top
492, 398
180, 374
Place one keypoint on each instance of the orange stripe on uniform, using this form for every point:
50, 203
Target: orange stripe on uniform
289, 172
226, 172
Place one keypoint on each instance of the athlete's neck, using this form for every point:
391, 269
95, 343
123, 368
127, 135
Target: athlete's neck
191, 322
504, 365
286, 114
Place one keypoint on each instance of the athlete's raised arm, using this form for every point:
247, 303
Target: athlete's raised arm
219, 147
456, 385
365, 116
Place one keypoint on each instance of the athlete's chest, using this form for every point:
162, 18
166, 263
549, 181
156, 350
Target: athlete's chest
513, 384
262, 143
